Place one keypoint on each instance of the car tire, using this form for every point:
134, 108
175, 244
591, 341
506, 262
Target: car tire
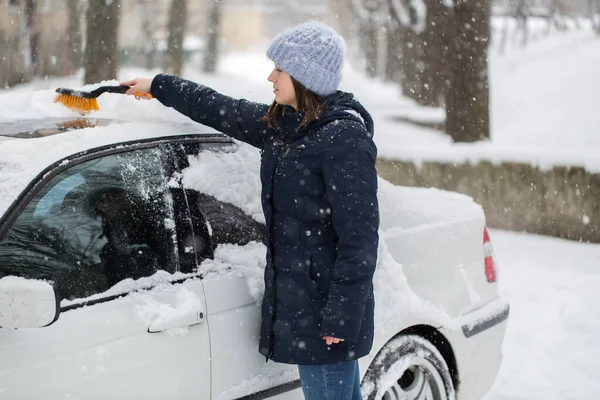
409, 368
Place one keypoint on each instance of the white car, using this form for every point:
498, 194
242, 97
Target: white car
131, 262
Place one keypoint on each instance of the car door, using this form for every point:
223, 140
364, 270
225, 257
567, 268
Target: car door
103, 228
233, 279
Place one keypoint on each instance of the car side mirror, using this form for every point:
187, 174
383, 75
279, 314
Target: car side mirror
27, 303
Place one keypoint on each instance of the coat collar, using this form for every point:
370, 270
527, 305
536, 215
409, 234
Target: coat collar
339, 105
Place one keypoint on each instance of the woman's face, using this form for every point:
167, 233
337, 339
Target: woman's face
283, 87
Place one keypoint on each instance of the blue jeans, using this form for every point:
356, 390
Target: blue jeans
340, 381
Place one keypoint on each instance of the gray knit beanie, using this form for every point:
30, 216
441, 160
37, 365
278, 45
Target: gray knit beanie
313, 54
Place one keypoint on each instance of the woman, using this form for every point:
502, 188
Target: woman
319, 197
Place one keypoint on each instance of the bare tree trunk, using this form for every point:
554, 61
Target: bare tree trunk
342, 9
393, 67
175, 51
102, 52
423, 52
13, 60
435, 50
467, 98
5, 62
381, 47
521, 16
369, 45
147, 10
558, 15
594, 14
374, 23
211, 53
32, 37
411, 64
75, 8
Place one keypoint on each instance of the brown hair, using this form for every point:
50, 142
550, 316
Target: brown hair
308, 101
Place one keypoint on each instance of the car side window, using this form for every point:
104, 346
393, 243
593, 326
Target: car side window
210, 183
95, 224
228, 223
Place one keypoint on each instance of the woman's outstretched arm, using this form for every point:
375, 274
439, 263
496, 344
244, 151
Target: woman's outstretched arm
237, 118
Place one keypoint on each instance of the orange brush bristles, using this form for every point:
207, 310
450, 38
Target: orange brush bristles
76, 103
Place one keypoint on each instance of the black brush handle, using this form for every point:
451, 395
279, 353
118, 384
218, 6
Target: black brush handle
118, 89
113, 89
98, 91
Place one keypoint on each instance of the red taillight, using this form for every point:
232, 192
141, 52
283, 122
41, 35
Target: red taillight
488, 253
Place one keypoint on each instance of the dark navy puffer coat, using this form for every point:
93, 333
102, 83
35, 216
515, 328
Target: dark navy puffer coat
319, 197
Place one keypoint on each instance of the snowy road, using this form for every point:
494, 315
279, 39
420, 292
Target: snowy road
552, 349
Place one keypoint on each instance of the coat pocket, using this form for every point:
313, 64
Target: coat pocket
312, 277
317, 261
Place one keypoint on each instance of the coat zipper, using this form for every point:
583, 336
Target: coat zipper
279, 158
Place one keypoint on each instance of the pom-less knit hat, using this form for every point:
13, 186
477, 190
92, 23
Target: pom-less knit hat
313, 54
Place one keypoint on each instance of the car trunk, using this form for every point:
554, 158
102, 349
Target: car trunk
438, 238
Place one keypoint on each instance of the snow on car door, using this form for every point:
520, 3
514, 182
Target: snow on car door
103, 232
222, 189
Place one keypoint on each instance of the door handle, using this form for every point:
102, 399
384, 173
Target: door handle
164, 322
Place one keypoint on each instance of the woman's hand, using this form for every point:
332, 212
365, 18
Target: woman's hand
329, 340
140, 87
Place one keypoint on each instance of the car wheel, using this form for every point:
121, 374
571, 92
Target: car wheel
408, 368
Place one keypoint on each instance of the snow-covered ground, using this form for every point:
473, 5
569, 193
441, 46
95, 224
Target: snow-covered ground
551, 349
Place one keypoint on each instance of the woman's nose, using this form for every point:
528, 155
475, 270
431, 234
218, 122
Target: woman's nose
271, 77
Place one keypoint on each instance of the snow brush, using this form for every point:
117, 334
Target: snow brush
85, 102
